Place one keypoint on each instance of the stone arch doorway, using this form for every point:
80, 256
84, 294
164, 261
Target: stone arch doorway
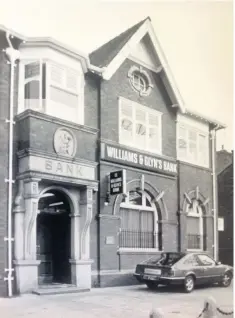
54, 237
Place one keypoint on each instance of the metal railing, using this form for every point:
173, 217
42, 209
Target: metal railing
196, 241
136, 239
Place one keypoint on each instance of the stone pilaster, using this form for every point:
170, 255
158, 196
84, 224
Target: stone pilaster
80, 262
26, 264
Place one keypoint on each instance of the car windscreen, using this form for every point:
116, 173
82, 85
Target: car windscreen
165, 259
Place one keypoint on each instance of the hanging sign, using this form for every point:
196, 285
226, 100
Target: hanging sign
117, 181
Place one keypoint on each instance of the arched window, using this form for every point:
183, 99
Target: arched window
139, 222
195, 235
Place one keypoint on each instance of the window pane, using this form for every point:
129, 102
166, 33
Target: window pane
193, 225
192, 135
33, 80
140, 136
136, 229
192, 151
140, 115
126, 109
135, 198
193, 232
206, 260
153, 120
32, 70
182, 148
72, 81
63, 97
191, 261
153, 138
146, 221
202, 149
126, 130
57, 75
31, 89
182, 142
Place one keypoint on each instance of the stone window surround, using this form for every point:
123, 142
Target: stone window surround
205, 207
157, 198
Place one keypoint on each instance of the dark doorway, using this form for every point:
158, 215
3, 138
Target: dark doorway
53, 239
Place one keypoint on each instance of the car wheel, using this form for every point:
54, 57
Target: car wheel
152, 285
189, 283
226, 280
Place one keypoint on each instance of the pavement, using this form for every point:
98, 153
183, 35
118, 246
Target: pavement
117, 302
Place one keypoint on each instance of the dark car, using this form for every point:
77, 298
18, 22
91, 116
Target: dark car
186, 269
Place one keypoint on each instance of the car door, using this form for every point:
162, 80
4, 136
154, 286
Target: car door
210, 269
191, 265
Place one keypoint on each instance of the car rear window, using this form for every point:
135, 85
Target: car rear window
165, 259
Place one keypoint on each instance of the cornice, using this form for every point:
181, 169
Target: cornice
41, 116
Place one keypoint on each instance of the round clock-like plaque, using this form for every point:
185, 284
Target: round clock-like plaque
65, 142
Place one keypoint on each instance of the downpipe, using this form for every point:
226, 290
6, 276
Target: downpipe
12, 55
214, 185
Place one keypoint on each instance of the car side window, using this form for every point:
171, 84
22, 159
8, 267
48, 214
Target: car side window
191, 261
206, 260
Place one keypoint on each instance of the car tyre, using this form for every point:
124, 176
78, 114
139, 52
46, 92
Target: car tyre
189, 284
151, 285
226, 280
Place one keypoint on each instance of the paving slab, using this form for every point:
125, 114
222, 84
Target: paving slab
116, 302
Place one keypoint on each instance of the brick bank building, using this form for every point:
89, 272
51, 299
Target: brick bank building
68, 123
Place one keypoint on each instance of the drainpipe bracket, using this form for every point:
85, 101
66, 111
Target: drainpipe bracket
8, 278
10, 181
8, 239
9, 269
10, 121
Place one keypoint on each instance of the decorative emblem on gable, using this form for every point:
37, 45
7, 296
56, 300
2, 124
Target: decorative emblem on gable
64, 142
140, 80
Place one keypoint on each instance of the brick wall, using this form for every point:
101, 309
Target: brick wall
190, 178
225, 211
119, 85
110, 259
36, 131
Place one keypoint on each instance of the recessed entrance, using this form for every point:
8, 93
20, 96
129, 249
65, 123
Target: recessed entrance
53, 238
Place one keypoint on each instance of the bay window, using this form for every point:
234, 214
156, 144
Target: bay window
51, 88
139, 126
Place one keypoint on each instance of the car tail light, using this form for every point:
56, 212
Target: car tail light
171, 272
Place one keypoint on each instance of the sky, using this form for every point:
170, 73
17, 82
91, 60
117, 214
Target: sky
196, 37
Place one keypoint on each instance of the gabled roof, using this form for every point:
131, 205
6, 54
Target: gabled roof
102, 56
111, 55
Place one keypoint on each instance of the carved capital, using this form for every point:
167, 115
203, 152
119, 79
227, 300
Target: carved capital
31, 189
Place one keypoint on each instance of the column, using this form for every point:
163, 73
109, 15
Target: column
26, 264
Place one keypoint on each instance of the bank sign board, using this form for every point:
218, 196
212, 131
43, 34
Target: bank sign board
117, 182
121, 155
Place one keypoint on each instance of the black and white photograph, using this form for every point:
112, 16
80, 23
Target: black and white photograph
116, 159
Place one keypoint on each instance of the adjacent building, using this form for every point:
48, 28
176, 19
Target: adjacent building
71, 125
225, 205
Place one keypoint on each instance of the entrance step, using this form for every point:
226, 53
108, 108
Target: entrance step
56, 289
